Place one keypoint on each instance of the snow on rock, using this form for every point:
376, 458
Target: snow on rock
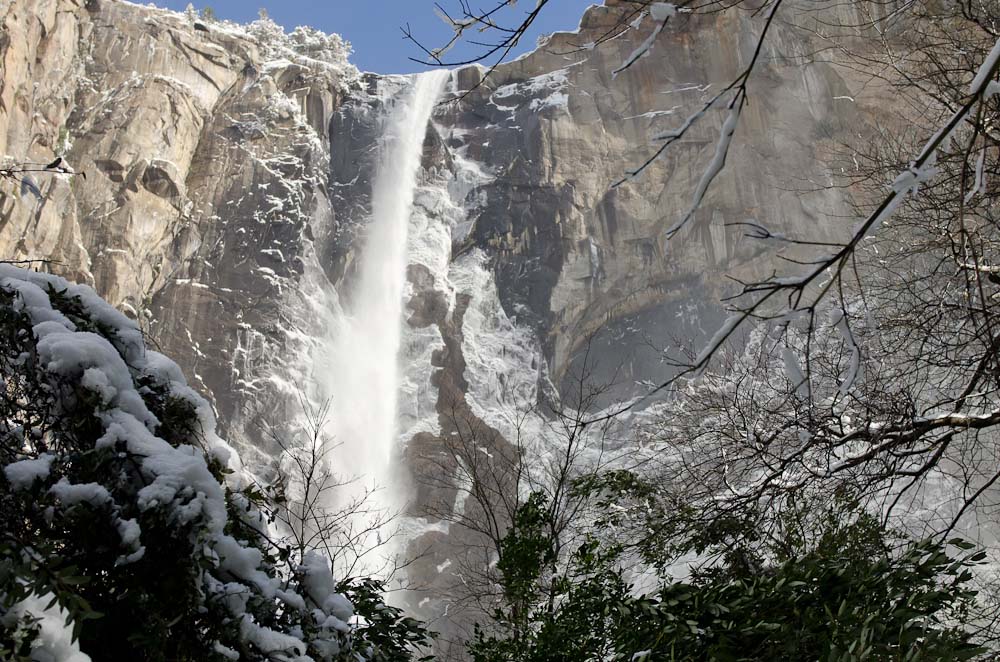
548, 82
555, 100
443, 204
544, 91
503, 361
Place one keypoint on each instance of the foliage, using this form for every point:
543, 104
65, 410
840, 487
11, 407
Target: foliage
125, 519
525, 553
386, 633
830, 603
544, 615
849, 592
303, 41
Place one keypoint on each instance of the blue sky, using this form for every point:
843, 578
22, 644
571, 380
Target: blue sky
373, 26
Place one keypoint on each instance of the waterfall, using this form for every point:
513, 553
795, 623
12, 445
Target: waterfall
361, 375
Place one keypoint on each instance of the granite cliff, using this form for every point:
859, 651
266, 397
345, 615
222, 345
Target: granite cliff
205, 153
229, 172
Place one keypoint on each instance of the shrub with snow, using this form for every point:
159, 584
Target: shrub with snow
127, 530
303, 41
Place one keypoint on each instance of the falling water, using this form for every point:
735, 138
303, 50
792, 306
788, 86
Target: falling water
362, 376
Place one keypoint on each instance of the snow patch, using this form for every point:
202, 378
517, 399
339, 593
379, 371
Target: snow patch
55, 638
23, 474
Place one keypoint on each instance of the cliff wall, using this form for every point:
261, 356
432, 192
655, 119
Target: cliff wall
228, 174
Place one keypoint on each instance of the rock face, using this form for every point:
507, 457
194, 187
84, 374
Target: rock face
205, 150
573, 251
581, 267
229, 170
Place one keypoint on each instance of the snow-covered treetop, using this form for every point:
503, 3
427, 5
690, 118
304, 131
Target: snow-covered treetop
304, 45
303, 41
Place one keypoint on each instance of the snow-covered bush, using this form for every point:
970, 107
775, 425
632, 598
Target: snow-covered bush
126, 530
302, 41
